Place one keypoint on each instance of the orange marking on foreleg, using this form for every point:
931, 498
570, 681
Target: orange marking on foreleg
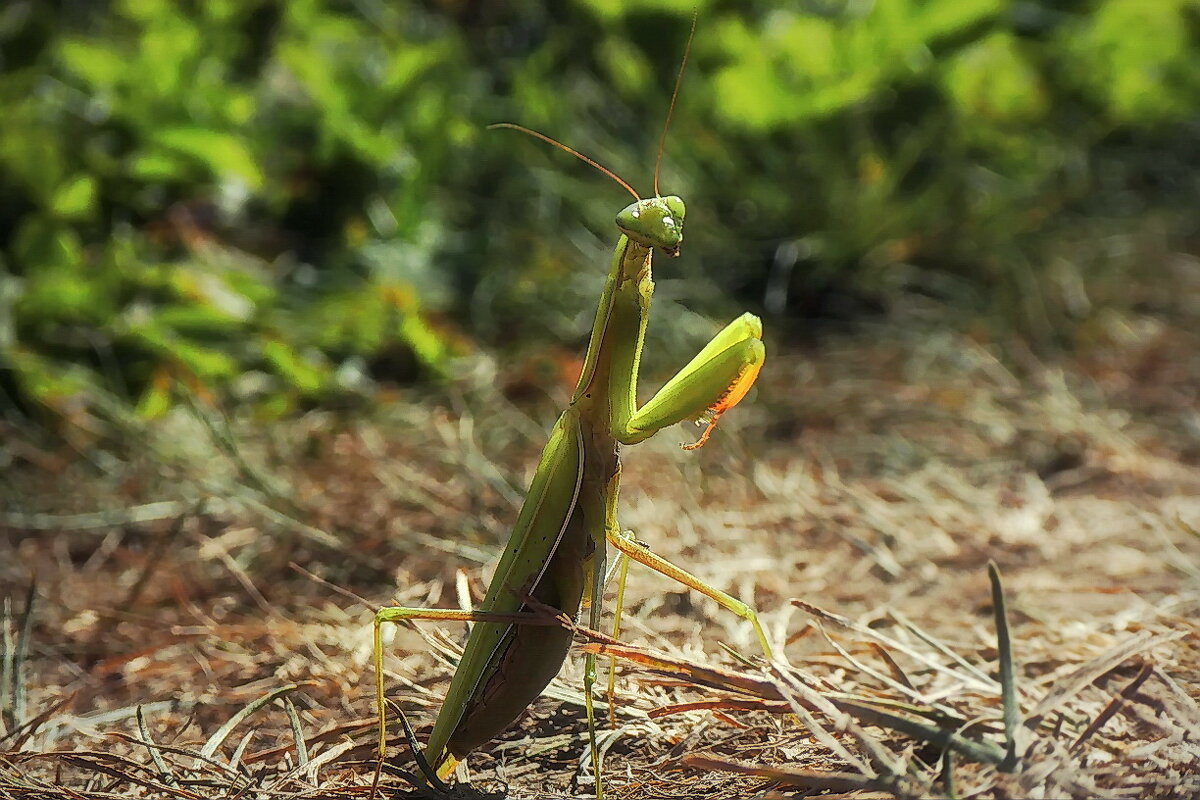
728, 399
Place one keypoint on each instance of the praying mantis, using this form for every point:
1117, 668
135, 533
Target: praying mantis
556, 555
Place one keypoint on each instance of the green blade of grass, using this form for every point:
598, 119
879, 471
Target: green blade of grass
7, 723
948, 774
1008, 678
297, 734
14, 662
982, 752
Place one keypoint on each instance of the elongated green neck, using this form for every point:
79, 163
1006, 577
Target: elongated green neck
629, 271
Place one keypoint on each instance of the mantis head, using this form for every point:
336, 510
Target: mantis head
655, 222
652, 222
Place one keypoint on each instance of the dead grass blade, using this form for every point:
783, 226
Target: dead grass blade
226, 770
932, 641
902, 688
121, 770
728, 704
235, 760
102, 521
297, 733
12, 712
1188, 708
898, 674
215, 741
1069, 686
155, 754
802, 700
798, 691
334, 734
1118, 702
808, 780
22, 734
689, 672
844, 622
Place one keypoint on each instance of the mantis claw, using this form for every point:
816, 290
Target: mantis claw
711, 425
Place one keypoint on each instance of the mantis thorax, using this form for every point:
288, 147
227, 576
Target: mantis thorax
655, 222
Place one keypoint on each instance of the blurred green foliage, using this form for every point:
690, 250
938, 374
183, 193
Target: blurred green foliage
287, 202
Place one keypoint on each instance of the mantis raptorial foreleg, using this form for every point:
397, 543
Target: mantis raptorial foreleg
710, 384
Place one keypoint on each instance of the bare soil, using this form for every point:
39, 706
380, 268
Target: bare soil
856, 499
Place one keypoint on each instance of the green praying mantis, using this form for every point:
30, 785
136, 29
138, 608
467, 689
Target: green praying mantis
556, 556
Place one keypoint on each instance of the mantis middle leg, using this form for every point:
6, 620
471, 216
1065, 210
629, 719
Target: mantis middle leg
714, 381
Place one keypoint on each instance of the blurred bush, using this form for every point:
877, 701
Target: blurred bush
287, 202
227, 196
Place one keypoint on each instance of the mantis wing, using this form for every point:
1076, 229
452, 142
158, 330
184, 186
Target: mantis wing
545, 517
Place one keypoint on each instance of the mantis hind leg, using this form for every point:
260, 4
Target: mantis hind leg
640, 553
622, 567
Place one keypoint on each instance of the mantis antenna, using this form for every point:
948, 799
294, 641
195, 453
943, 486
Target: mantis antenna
662, 139
566, 149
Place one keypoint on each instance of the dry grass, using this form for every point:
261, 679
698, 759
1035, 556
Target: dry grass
173, 652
